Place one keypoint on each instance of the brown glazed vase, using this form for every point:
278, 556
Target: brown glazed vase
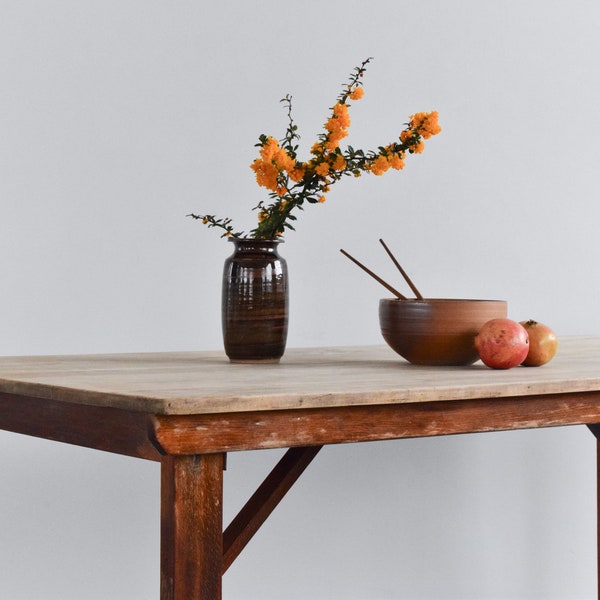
255, 302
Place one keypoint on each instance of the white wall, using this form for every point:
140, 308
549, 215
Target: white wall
119, 118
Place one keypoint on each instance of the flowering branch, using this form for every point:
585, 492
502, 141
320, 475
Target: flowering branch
292, 183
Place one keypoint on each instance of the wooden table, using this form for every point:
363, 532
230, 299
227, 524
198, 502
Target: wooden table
187, 410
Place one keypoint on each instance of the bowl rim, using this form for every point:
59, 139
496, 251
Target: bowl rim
441, 300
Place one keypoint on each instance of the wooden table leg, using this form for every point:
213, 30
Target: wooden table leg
598, 507
595, 429
191, 527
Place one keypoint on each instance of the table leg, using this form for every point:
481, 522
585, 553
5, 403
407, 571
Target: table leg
596, 432
191, 527
595, 429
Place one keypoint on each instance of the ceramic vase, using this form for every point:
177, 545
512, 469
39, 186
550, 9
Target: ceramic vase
255, 301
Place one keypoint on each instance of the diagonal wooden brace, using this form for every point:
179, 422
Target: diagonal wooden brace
264, 500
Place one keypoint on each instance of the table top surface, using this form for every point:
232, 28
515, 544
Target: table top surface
180, 383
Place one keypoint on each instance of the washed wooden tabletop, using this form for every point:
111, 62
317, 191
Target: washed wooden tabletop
206, 382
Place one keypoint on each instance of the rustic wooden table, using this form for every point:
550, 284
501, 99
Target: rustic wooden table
187, 410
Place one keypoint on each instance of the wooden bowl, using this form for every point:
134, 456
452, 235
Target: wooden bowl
436, 331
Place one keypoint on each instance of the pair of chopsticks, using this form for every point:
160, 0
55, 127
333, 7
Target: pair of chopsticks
381, 281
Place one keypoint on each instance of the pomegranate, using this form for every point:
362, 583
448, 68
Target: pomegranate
543, 344
502, 343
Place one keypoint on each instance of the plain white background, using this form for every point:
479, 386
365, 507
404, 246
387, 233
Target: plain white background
118, 118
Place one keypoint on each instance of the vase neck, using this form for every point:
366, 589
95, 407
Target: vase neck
255, 245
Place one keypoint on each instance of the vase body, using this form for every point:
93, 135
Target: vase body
254, 301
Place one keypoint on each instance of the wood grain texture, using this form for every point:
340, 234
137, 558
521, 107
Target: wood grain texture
335, 425
100, 427
191, 527
205, 382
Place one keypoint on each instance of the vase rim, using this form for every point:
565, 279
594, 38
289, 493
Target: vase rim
255, 240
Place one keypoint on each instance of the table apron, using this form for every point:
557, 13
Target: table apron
198, 434
152, 436
102, 428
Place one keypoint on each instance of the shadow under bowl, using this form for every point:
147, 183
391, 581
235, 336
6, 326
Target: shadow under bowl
436, 331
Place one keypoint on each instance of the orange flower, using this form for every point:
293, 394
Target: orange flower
322, 199
341, 114
380, 165
426, 123
406, 135
337, 126
357, 93
272, 152
284, 161
316, 148
322, 169
334, 138
269, 148
297, 173
332, 125
340, 118
418, 147
339, 164
396, 161
266, 174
